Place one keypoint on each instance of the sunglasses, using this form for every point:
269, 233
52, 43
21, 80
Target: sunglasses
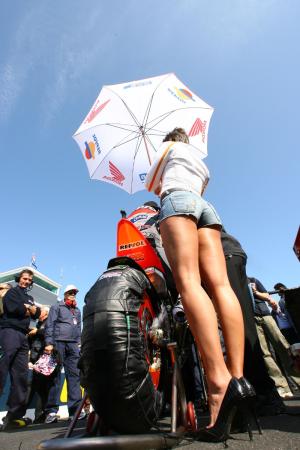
71, 292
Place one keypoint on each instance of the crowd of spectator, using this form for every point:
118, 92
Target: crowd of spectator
56, 334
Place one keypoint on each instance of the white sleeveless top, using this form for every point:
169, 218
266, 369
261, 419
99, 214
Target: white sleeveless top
177, 165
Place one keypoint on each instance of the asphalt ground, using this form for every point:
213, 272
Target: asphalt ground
281, 432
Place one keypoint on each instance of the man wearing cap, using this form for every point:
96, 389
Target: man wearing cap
62, 333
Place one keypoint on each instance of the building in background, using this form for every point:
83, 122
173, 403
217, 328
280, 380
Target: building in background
44, 291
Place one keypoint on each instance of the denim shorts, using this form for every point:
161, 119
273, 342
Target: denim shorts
186, 203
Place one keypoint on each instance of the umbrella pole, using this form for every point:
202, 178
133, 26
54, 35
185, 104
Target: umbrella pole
145, 142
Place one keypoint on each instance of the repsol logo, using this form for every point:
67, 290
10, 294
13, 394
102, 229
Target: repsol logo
130, 245
97, 144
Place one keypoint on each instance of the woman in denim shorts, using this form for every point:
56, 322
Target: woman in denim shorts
190, 230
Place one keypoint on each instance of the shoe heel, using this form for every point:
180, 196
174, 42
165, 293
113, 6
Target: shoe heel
250, 434
247, 407
250, 408
244, 409
255, 416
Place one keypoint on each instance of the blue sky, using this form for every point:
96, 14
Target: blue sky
241, 57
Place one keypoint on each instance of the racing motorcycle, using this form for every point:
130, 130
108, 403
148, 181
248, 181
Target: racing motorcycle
138, 357
132, 344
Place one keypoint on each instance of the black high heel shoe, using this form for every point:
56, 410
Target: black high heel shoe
234, 396
248, 407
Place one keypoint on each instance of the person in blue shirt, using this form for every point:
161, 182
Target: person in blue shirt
282, 317
63, 333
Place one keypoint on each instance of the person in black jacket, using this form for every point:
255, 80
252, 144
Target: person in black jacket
63, 333
268, 401
18, 308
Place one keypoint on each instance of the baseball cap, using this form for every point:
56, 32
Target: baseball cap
71, 287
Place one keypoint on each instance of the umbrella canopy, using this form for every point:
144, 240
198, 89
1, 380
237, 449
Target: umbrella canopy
125, 127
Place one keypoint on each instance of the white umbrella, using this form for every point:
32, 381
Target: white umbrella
125, 127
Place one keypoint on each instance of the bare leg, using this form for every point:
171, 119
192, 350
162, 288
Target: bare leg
214, 274
180, 238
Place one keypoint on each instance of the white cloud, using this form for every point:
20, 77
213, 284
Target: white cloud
9, 90
65, 44
19, 62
